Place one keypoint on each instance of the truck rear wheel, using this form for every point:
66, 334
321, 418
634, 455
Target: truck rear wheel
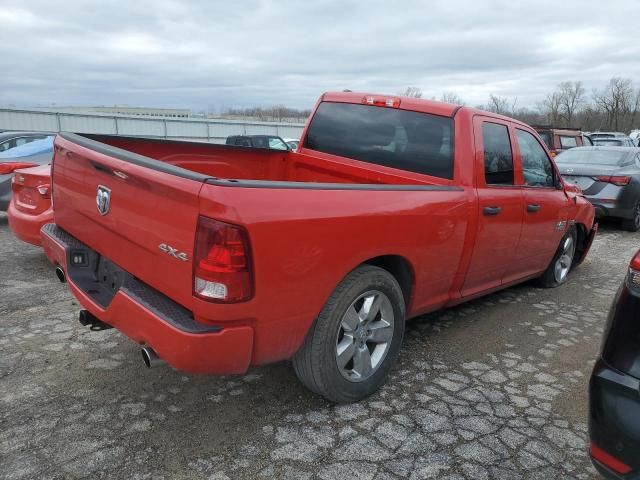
558, 270
355, 340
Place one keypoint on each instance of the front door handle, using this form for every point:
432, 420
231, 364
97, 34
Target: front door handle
489, 211
533, 207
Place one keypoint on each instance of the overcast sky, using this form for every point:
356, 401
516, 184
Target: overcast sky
213, 54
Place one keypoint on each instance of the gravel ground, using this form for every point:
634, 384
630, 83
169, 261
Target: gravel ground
495, 388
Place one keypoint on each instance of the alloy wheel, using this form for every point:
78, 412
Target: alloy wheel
564, 261
364, 335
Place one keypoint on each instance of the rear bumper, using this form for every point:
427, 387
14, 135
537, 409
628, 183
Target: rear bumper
148, 317
614, 201
614, 418
26, 226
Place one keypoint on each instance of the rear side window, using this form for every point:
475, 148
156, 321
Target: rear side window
568, 142
417, 142
498, 159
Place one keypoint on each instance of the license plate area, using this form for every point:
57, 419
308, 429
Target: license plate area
109, 275
95, 275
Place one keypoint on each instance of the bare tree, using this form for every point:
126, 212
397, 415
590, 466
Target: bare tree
413, 92
451, 97
616, 101
550, 108
571, 97
501, 105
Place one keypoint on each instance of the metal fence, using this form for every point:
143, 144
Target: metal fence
204, 130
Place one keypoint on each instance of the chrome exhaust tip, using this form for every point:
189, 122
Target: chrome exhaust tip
61, 275
150, 357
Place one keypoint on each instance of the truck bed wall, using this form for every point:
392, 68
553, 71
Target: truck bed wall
242, 163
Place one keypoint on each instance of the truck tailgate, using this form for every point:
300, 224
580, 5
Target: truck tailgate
125, 211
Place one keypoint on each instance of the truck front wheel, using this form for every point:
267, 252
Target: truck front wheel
355, 340
558, 270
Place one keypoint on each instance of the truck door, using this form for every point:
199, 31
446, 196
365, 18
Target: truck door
500, 204
545, 208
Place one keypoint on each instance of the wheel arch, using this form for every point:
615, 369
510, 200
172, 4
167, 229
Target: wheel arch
401, 269
581, 242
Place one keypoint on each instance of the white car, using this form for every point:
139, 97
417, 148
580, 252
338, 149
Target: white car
293, 143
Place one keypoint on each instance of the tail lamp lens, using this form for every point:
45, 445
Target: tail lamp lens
619, 180
634, 271
10, 167
222, 267
608, 460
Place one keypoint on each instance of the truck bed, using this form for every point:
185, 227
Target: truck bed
224, 162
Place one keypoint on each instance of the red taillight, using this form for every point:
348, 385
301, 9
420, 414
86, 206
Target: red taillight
10, 167
222, 268
618, 180
381, 101
635, 261
634, 271
609, 460
44, 190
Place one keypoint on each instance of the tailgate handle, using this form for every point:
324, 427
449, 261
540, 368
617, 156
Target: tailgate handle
533, 207
489, 211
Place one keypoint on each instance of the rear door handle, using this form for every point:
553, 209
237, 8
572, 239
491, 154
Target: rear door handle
489, 211
533, 207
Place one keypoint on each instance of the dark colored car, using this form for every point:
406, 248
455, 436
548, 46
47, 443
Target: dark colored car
609, 178
271, 142
614, 398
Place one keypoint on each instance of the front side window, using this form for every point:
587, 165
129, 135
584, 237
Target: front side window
568, 142
498, 159
536, 166
413, 141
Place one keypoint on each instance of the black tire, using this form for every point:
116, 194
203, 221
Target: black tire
632, 224
316, 362
550, 279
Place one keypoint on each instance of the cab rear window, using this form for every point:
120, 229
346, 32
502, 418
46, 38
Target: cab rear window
417, 142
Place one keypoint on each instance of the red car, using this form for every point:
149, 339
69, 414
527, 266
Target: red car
215, 257
30, 206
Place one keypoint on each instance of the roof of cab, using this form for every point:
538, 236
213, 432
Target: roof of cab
415, 104
406, 103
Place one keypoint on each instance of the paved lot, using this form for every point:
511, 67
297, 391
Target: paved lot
492, 389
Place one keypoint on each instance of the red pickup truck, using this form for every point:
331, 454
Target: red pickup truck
215, 258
